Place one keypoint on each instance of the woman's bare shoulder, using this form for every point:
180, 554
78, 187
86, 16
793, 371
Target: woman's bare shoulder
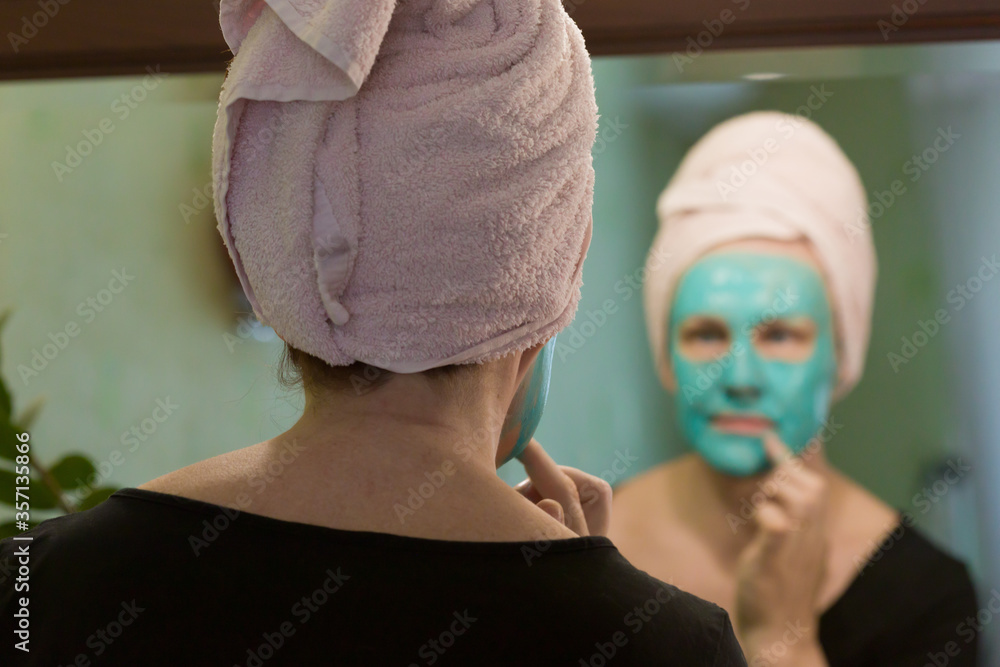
642, 502
217, 480
861, 513
650, 483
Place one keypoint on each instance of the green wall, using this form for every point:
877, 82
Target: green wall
161, 337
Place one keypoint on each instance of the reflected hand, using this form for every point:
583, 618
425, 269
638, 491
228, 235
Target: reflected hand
779, 573
578, 500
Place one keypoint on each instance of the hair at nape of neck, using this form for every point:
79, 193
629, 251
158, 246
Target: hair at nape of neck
301, 370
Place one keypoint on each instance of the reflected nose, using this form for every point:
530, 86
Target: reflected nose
743, 382
743, 393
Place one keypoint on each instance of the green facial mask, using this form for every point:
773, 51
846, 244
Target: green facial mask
529, 401
745, 290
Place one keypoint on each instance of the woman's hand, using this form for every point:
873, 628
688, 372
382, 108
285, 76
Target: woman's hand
780, 571
580, 501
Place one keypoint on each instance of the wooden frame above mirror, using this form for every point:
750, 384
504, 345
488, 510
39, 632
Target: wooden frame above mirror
665, 26
70, 38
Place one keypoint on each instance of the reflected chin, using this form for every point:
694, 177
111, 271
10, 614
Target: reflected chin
731, 454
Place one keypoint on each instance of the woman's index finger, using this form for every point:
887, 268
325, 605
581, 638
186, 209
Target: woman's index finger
776, 450
544, 473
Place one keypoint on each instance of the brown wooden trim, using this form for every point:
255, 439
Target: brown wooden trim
123, 37
604, 39
112, 37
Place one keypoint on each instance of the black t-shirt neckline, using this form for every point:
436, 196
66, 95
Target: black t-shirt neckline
363, 537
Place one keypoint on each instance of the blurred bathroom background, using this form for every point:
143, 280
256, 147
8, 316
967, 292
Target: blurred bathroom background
176, 332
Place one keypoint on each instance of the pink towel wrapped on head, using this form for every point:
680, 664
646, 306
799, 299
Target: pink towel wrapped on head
407, 184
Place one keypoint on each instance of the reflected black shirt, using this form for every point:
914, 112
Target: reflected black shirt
149, 579
912, 605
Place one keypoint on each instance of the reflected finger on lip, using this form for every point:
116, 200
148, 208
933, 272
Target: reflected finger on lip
776, 450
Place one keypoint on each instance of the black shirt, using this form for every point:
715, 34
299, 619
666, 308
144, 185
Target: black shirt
148, 579
912, 605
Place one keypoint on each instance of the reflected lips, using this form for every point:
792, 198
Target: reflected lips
742, 424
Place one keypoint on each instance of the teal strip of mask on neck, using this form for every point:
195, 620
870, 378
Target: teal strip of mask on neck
529, 400
744, 291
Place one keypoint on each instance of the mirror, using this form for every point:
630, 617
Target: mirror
916, 122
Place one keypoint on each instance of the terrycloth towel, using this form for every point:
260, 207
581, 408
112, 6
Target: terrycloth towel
406, 184
768, 175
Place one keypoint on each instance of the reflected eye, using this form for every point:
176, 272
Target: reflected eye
703, 338
786, 340
777, 335
704, 332
707, 335
783, 334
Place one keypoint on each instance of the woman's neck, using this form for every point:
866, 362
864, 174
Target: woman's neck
407, 459
721, 508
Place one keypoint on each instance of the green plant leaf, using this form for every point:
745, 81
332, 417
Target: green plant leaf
40, 497
72, 471
10, 528
96, 497
5, 402
27, 416
8, 440
7, 487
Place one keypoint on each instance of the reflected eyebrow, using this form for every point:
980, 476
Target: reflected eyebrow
700, 325
791, 322
695, 321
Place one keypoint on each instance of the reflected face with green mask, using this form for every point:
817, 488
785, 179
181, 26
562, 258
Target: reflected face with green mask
751, 348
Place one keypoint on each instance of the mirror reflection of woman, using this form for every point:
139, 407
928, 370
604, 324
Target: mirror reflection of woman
758, 323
